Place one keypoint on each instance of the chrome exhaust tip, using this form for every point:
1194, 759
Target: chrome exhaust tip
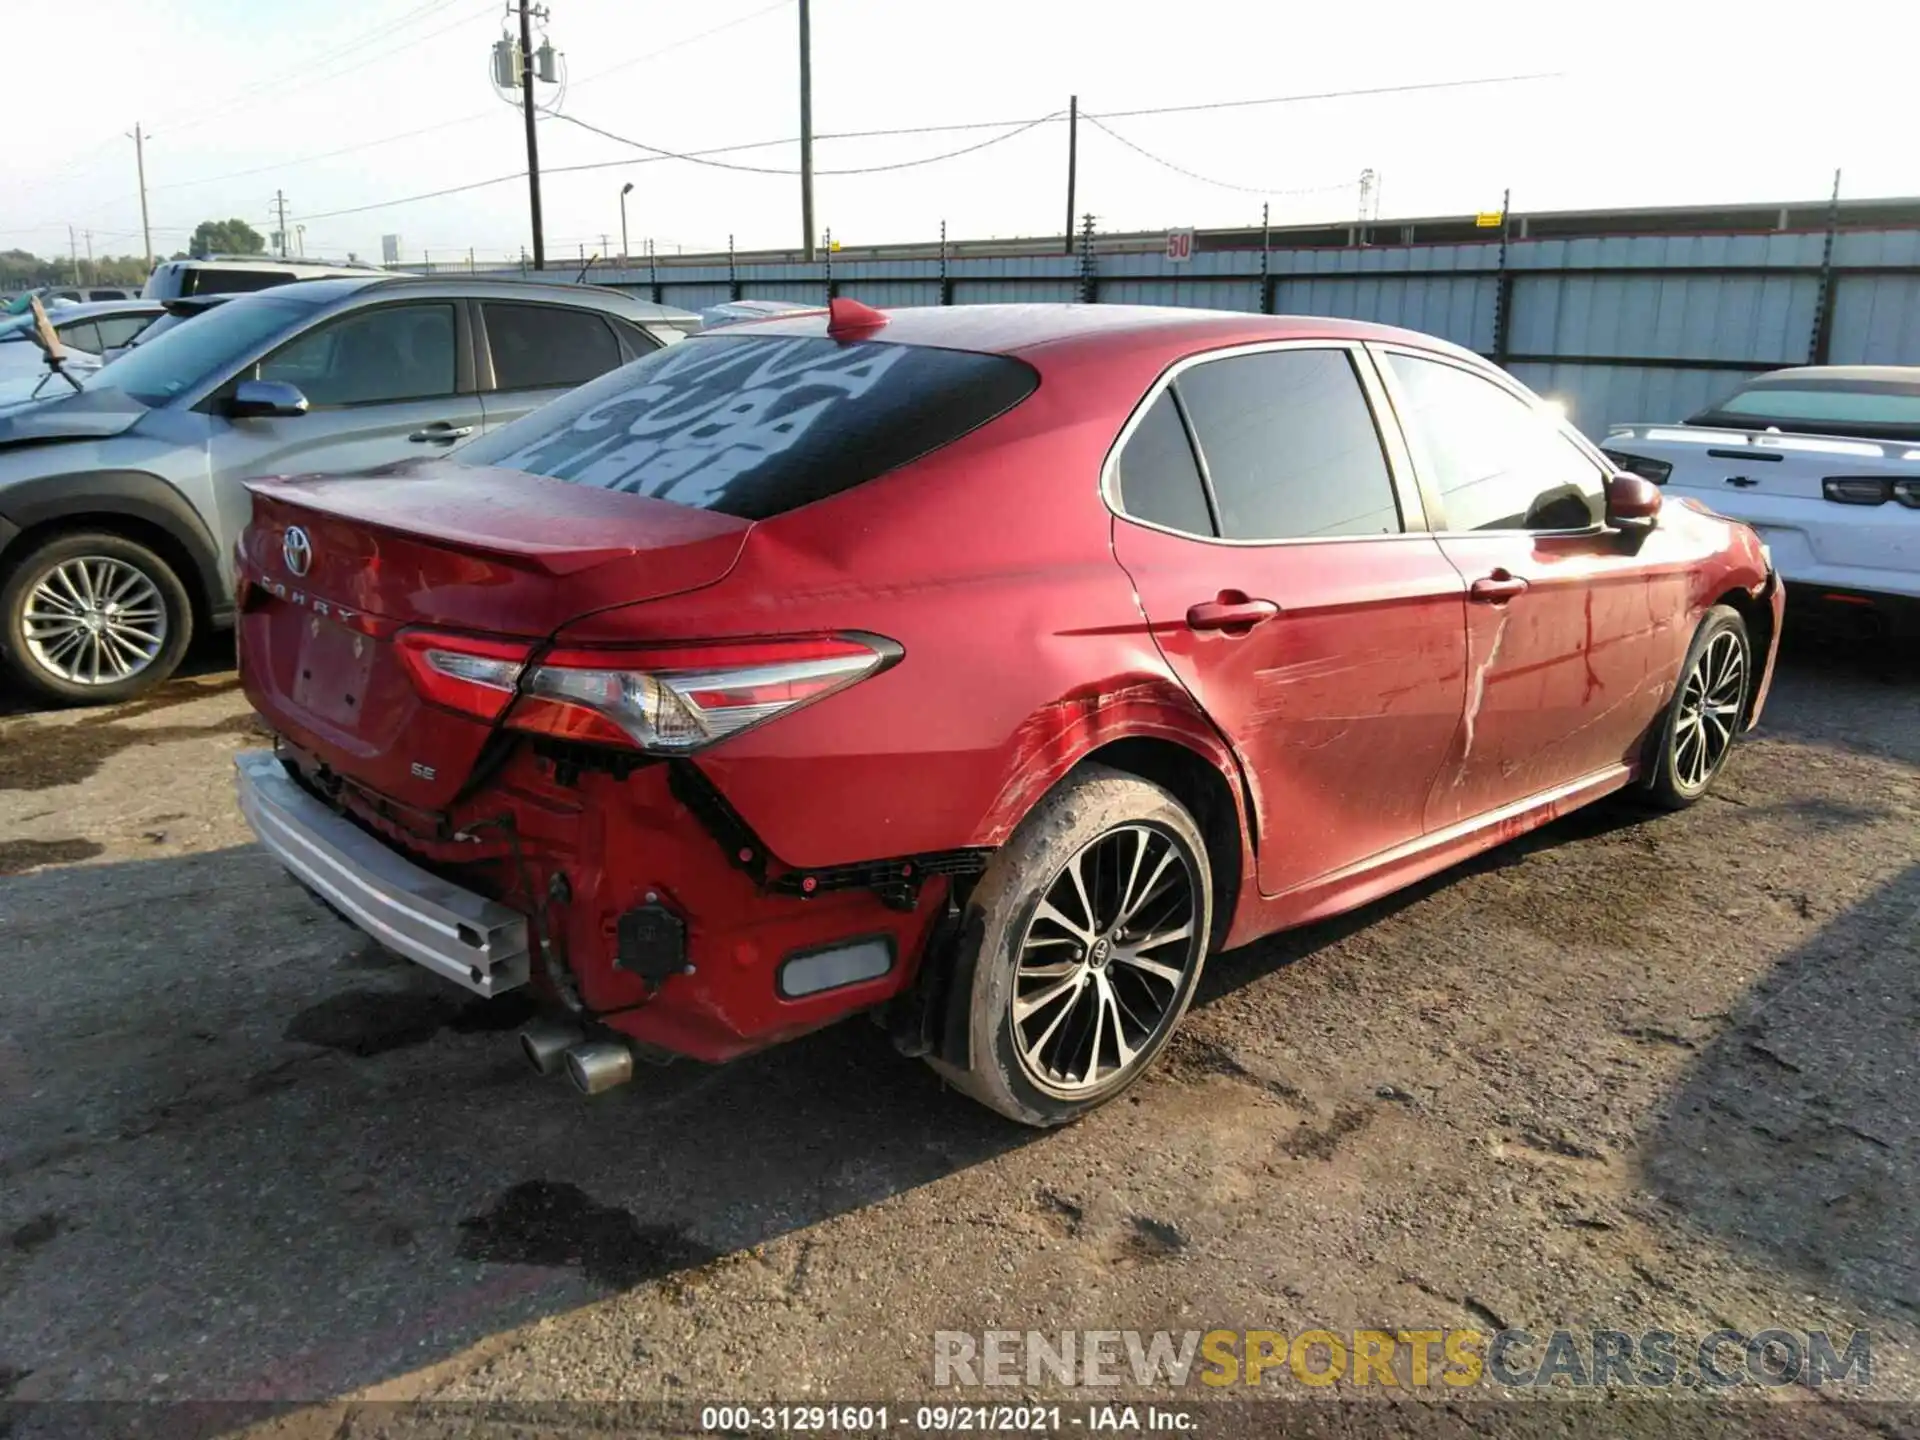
598, 1066
545, 1044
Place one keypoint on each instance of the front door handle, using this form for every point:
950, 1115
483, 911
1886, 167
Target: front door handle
1497, 588
1230, 610
441, 432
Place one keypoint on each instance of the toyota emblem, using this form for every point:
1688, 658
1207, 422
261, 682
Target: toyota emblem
297, 550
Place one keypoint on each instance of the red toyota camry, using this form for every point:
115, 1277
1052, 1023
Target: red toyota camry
986, 667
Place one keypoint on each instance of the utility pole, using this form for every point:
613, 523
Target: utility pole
92, 274
533, 142
140, 165
73, 255
1073, 158
806, 130
625, 190
280, 220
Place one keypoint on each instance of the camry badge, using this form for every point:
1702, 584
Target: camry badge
297, 550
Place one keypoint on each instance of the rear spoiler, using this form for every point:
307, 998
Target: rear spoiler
193, 304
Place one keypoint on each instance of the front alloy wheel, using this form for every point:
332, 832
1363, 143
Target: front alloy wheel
1710, 701
1696, 734
92, 618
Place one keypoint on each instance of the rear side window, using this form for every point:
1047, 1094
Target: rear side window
537, 346
754, 426
1159, 481
1290, 446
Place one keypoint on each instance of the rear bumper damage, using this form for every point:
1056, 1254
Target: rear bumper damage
631, 902
468, 939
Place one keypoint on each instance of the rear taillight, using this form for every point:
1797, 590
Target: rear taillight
1856, 489
675, 701
461, 673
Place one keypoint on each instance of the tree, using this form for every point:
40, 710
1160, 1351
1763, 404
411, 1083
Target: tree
226, 237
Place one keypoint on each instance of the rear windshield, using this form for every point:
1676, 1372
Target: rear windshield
756, 425
1811, 404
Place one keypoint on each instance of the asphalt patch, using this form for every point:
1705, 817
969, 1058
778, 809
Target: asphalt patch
37, 1231
372, 1022
19, 856
557, 1225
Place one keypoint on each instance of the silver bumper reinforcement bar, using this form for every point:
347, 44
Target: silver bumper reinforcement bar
473, 941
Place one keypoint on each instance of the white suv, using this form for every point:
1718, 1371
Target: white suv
232, 274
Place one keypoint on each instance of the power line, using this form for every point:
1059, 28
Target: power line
697, 158
656, 154
1336, 95
304, 76
1095, 121
680, 44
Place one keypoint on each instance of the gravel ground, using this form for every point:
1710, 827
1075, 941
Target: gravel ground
1631, 1072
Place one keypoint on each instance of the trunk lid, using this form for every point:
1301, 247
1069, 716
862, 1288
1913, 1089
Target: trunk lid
443, 546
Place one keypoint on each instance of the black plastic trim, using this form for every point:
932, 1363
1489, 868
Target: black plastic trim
133, 494
896, 880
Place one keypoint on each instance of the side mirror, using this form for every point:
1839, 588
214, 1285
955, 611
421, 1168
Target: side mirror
1631, 499
256, 399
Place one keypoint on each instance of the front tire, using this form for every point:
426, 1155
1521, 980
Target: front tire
1081, 948
1701, 723
93, 618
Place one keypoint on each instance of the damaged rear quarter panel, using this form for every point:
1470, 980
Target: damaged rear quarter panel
989, 563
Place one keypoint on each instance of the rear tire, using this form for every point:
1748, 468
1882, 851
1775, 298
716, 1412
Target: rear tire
1068, 1000
1703, 720
92, 618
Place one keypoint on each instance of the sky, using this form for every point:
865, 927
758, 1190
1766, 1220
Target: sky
352, 106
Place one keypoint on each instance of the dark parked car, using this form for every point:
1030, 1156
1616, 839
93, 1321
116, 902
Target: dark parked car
986, 666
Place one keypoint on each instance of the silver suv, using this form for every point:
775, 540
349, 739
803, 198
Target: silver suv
120, 503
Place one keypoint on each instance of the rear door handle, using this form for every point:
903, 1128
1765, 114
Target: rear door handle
1497, 588
1230, 610
441, 432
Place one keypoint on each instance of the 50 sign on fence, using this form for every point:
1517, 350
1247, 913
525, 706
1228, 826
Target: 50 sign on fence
1179, 246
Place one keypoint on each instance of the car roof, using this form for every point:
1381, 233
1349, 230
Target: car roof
1062, 330
339, 288
81, 309
1845, 375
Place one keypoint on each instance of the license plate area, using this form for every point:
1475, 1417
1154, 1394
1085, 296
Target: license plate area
332, 671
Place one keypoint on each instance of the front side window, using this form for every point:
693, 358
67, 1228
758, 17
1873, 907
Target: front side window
1290, 446
1497, 463
1159, 481
182, 359
397, 352
536, 347
757, 425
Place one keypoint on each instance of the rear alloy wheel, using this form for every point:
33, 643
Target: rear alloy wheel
93, 619
1697, 733
1081, 948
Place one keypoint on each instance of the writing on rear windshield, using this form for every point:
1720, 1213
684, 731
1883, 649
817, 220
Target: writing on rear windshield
707, 414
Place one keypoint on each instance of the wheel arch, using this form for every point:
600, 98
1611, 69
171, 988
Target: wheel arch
135, 504
1757, 613
1147, 727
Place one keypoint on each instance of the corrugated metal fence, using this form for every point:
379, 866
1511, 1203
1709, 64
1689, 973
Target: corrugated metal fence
1619, 327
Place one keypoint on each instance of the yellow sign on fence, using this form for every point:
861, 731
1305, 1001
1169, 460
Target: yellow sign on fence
1489, 219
